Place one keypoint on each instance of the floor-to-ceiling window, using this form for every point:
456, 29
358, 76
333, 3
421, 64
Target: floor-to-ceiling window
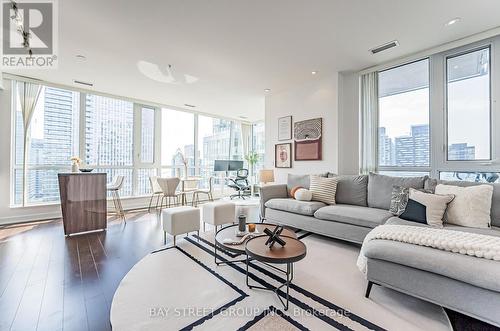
436, 115
177, 143
403, 124
118, 137
52, 140
109, 129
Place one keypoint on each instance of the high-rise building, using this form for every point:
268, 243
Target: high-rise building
413, 150
461, 152
385, 148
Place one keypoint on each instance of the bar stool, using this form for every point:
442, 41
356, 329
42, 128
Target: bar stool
114, 187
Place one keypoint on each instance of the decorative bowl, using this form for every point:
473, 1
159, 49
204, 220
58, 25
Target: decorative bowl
86, 170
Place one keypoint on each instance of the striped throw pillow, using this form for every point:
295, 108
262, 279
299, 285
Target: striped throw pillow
323, 189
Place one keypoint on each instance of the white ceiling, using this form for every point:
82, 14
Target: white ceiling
224, 53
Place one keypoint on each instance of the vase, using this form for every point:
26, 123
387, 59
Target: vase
74, 167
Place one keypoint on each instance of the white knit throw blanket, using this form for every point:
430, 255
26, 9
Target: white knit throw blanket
472, 244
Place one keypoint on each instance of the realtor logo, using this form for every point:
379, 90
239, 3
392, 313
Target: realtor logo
29, 34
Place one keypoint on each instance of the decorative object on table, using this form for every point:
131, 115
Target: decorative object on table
229, 241
75, 165
274, 237
230, 231
183, 160
242, 224
283, 155
303, 194
266, 176
285, 128
86, 169
251, 227
308, 139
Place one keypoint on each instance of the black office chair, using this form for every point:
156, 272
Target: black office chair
240, 184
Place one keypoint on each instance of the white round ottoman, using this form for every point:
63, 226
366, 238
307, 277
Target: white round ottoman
179, 220
218, 213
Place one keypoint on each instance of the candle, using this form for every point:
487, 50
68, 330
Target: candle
251, 227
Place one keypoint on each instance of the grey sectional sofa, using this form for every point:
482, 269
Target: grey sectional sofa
466, 284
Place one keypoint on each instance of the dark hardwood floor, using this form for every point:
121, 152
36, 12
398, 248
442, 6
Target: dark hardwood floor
49, 282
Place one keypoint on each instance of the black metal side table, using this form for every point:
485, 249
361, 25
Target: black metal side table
292, 252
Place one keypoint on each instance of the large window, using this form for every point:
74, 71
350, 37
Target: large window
403, 133
177, 142
52, 140
437, 115
109, 129
468, 100
118, 137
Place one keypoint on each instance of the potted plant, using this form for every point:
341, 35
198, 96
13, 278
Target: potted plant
252, 158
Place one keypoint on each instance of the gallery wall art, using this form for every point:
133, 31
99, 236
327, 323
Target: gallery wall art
283, 155
308, 139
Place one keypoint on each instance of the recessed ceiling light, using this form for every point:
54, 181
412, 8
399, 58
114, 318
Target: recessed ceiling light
453, 21
81, 58
314, 72
267, 90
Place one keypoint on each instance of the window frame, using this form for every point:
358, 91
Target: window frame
137, 137
446, 107
405, 168
438, 113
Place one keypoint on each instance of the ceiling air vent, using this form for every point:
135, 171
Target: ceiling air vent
83, 83
188, 105
384, 47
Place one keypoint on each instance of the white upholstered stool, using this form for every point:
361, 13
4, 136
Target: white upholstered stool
218, 213
179, 220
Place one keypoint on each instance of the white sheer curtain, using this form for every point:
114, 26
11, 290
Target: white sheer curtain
28, 94
246, 133
369, 122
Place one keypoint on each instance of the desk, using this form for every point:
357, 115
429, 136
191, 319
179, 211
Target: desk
83, 201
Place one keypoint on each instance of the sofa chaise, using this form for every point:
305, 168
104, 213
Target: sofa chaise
462, 283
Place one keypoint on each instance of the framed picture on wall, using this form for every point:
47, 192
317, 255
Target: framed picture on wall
308, 139
285, 128
283, 155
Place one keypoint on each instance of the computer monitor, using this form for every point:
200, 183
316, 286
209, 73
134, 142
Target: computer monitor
221, 165
235, 165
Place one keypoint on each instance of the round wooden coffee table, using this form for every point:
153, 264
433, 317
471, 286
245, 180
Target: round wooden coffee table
294, 250
229, 232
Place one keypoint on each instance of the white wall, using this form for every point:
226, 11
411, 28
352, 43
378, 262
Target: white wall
317, 98
349, 123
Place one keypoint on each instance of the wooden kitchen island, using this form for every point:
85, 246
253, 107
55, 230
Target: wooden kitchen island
83, 201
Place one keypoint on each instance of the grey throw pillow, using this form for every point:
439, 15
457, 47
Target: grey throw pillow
399, 200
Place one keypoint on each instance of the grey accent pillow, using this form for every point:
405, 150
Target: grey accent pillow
380, 188
297, 180
399, 200
352, 190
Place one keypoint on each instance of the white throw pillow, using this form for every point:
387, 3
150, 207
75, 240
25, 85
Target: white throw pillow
435, 205
303, 194
323, 189
471, 206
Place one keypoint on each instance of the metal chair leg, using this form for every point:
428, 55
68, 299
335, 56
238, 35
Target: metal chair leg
150, 201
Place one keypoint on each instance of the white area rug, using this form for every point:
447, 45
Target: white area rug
182, 289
